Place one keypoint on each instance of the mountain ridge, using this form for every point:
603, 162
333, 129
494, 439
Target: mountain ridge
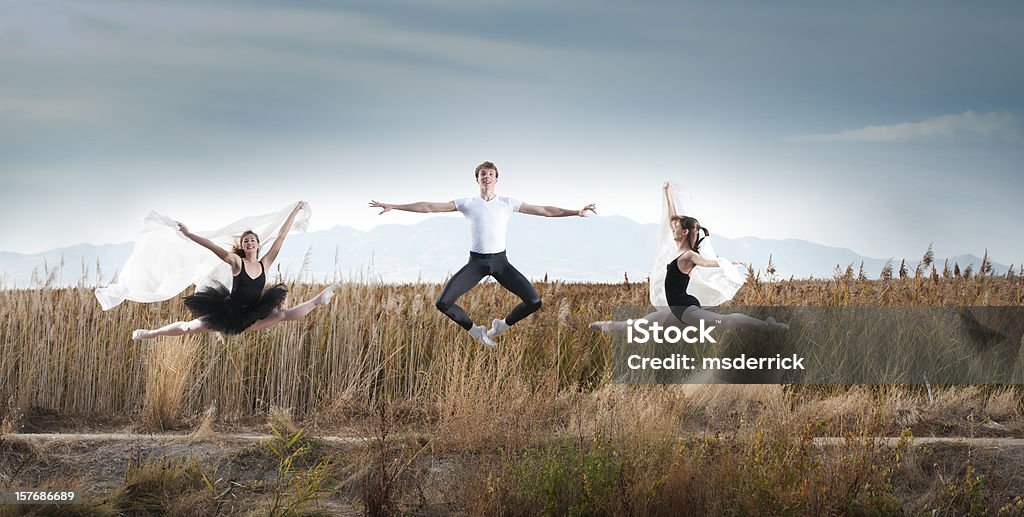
595, 249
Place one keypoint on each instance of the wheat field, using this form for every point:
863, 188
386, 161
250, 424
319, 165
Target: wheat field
539, 415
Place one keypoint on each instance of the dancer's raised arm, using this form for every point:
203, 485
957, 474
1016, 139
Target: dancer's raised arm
234, 260
554, 211
671, 204
271, 256
423, 207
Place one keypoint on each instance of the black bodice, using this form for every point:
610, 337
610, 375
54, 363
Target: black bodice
246, 291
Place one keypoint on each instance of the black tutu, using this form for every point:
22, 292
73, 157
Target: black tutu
221, 313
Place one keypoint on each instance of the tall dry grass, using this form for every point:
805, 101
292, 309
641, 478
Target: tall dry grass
535, 426
61, 353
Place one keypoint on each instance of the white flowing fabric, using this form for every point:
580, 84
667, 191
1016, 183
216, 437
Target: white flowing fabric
164, 262
711, 285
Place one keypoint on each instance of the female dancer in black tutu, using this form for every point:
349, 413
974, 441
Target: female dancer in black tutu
247, 306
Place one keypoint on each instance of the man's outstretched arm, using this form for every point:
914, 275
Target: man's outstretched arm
554, 211
423, 207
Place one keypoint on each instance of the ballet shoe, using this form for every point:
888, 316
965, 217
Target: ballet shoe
328, 293
479, 333
498, 327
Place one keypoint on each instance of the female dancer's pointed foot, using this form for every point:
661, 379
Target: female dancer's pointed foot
479, 333
602, 326
139, 334
327, 294
775, 326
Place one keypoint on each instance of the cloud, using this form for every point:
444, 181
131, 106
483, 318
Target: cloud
181, 36
966, 124
60, 110
184, 69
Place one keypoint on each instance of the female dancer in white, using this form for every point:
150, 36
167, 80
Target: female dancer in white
246, 306
683, 307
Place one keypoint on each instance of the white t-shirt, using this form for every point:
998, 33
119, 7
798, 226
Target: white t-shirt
488, 221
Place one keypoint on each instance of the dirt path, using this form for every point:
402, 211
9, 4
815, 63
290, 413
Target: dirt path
47, 438
42, 438
217, 443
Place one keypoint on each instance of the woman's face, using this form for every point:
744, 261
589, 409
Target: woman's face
250, 242
682, 234
678, 232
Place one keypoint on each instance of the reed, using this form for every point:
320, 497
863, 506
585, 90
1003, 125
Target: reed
59, 352
535, 426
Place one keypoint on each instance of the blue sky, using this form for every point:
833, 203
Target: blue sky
876, 126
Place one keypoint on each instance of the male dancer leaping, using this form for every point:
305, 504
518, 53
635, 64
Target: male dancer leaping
488, 216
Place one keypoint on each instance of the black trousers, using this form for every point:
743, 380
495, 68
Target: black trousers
479, 266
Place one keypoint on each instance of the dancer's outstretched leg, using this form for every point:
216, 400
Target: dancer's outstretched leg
458, 285
694, 314
510, 278
663, 317
299, 311
609, 326
178, 328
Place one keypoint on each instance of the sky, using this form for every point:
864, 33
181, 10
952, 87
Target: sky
876, 126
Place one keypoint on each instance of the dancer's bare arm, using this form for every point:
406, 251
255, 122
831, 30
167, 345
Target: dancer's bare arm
671, 204
271, 256
423, 207
697, 260
221, 253
554, 211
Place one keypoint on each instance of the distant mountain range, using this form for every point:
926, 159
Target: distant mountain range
598, 249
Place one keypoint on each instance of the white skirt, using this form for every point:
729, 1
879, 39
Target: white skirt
164, 262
